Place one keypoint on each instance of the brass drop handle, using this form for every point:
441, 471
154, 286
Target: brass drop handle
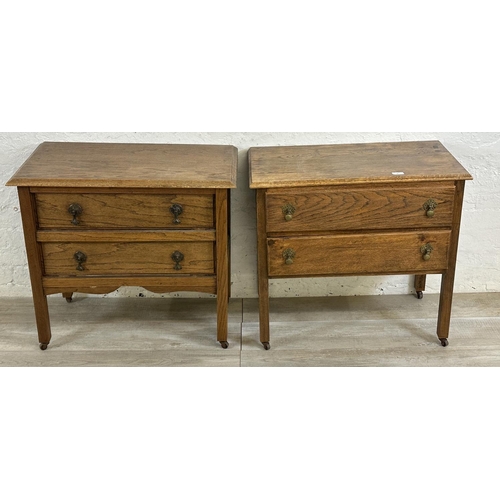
288, 211
430, 206
75, 210
176, 211
289, 255
177, 257
80, 257
426, 251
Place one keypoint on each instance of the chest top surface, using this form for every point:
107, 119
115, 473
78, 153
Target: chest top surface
71, 164
322, 165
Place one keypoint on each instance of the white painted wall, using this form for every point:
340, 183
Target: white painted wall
478, 268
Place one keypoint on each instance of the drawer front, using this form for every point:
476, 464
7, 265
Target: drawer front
371, 208
124, 211
376, 253
127, 258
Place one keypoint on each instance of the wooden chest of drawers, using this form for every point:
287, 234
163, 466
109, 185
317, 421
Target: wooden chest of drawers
360, 209
100, 216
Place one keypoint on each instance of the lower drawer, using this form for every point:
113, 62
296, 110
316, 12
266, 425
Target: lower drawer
357, 254
124, 258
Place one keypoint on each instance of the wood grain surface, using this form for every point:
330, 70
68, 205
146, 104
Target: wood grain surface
128, 258
287, 166
262, 266
128, 165
108, 284
34, 253
222, 262
124, 210
116, 235
358, 254
333, 209
448, 280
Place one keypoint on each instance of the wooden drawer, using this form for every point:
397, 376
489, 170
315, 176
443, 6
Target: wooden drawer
331, 209
127, 258
124, 210
355, 254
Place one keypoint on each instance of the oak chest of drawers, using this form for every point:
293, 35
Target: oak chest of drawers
99, 216
359, 209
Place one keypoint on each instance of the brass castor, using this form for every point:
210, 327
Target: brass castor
420, 295
444, 342
43, 347
224, 344
266, 345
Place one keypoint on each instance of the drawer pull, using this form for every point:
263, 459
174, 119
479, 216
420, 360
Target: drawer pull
288, 211
429, 207
177, 257
75, 210
289, 255
426, 251
176, 210
80, 257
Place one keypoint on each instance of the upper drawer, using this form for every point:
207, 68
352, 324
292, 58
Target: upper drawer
331, 209
123, 210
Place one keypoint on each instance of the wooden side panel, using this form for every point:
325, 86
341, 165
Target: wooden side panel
125, 210
448, 279
127, 258
101, 285
419, 282
33, 250
346, 209
222, 262
384, 253
262, 263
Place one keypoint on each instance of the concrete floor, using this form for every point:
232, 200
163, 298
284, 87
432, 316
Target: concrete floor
326, 331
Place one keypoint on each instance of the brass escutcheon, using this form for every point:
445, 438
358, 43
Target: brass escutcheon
289, 255
288, 211
80, 257
176, 210
177, 257
75, 210
426, 250
429, 207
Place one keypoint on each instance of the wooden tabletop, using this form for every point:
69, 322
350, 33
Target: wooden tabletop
289, 166
76, 164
